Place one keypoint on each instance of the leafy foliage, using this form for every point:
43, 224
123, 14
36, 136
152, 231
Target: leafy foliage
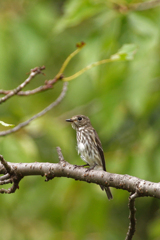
121, 98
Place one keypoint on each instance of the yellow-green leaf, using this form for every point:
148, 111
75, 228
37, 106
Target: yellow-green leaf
126, 52
6, 124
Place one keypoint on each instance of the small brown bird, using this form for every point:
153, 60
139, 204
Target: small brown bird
89, 145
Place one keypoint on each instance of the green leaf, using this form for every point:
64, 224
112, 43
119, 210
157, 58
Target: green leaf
126, 52
6, 124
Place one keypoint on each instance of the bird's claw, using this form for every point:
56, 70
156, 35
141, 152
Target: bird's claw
75, 166
89, 169
80, 166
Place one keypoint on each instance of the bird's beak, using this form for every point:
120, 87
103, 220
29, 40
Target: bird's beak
69, 120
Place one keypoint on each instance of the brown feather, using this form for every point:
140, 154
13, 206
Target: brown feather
86, 133
100, 150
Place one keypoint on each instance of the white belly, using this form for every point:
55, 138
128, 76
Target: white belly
81, 147
89, 159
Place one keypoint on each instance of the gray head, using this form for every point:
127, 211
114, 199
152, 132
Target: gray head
79, 121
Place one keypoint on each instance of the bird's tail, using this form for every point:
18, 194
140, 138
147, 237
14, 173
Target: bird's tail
108, 192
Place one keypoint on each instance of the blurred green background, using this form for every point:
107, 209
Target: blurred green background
122, 100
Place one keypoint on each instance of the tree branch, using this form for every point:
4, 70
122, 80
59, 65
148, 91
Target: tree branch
47, 85
10, 177
65, 169
29, 92
15, 91
132, 218
44, 111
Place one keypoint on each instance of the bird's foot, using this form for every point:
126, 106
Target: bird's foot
79, 166
91, 168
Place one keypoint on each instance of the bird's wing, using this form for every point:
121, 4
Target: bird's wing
97, 142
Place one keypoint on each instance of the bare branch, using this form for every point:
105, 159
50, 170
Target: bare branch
5, 164
15, 91
29, 92
5, 181
64, 169
44, 111
10, 177
60, 155
5, 177
47, 85
132, 218
14, 187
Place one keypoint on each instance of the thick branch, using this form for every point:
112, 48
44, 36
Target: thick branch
44, 111
64, 169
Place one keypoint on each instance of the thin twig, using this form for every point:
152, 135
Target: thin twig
6, 181
132, 217
5, 164
15, 91
44, 111
14, 187
10, 177
5, 177
60, 155
68, 59
77, 74
29, 92
47, 85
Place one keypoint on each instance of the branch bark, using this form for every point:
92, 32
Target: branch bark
132, 217
64, 169
47, 85
15, 91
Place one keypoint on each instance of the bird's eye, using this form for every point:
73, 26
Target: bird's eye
79, 118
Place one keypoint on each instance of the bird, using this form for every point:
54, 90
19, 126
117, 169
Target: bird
89, 146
